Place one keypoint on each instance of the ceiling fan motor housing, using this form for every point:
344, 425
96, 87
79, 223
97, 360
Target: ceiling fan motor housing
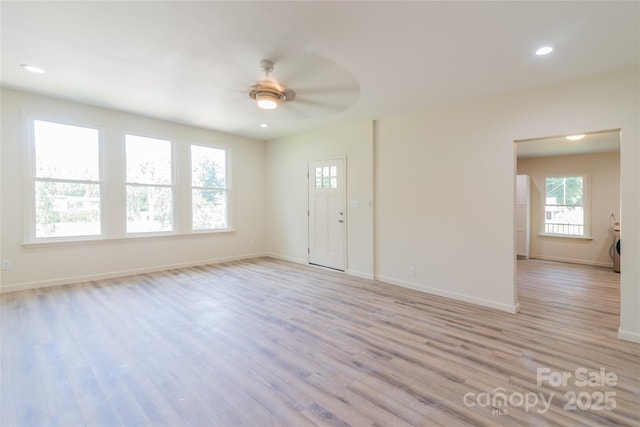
268, 89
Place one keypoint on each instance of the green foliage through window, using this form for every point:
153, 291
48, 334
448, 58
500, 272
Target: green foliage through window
209, 188
66, 185
149, 184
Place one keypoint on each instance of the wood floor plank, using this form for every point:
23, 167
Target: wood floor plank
266, 342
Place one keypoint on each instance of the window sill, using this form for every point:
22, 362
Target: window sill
133, 237
566, 236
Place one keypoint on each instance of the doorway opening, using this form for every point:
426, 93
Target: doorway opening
570, 211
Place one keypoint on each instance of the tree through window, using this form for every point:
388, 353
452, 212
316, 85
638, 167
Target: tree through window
209, 196
149, 184
67, 180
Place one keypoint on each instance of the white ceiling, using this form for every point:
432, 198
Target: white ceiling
192, 62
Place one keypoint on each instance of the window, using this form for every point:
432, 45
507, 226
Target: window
564, 206
79, 186
209, 182
149, 184
66, 180
327, 177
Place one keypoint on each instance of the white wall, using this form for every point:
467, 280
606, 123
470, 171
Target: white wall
603, 197
445, 204
287, 165
42, 265
445, 182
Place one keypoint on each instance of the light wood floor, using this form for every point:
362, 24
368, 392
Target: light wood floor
269, 343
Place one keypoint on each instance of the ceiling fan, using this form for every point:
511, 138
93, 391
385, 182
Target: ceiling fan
322, 87
268, 93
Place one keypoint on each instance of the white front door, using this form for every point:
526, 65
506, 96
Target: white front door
327, 216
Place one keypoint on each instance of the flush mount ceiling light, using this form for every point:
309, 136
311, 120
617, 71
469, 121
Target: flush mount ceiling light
575, 137
267, 92
264, 125
32, 68
544, 50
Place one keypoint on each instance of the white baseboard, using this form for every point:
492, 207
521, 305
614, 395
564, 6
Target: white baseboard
354, 273
629, 336
121, 273
452, 295
571, 260
130, 272
360, 274
286, 258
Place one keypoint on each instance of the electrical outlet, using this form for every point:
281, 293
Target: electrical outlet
412, 271
6, 264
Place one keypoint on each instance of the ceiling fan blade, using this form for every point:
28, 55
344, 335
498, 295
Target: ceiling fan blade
308, 109
326, 105
293, 111
294, 72
343, 89
290, 94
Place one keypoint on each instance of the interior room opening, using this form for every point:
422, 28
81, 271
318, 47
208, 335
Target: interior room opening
567, 202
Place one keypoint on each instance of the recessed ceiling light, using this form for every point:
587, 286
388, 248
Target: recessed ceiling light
32, 68
575, 137
264, 125
544, 50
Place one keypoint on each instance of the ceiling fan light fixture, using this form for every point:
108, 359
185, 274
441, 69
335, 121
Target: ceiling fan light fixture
267, 101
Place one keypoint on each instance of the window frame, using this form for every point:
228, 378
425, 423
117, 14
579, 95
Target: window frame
226, 189
30, 180
586, 206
